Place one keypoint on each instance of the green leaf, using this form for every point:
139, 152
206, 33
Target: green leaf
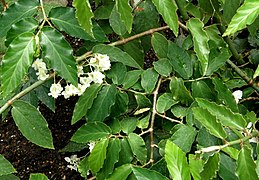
83, 167
25, 25
200, 39
149, 79
102, 104
9, 177
138, 147
98, 155
121, 104
160, 45
229, 9
256, 72
180, 60
211, 167
38, 176
103, 11
176, 162
168, 8
165, 102
15, 13
184, 132
144, 122
116, 55
232, 152
85, 102
116, 23
90, 132
210, 122
117, 73
246, 165
6, 167
179, 91
112, 157
142, 101
84, 15
17, 61
142, 173
196, 166
225, 115
58, 53
125, 10
201, 90
32, 124
246, 15
126, 155
163, 67
224, 94
128, 124
131, 78
227, 165
121, 172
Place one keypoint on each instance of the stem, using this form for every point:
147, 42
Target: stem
168, 118
216, 148
5, 6
44, 13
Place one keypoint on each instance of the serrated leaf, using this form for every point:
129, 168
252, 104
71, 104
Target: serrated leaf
125, 10
116, 55
179, 91
121, 172
200, 40
15, 13
163, 67
225, 115
17, 61
102, 104
232, 152
121, 104
138, 147
38, 176
224, 94
168, 8
117, 25
131, 78
180, 60
142, 173
176, 162
160, 45
201, 90
196, 166
6, 166
245, 15
149, 79
112, 157
210, 122
246, 165
84, 15
165, 102
90, 132
211, 167
85, 102
205, 139
128, 124
25, 25
226, 168
117, 73
126, 155
32, 124
144, 122
83, 167
103, 11
98, 155
58, 53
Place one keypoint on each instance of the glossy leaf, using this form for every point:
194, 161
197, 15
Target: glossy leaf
211, 167
115, 22
128, 124
25, 25
149, 79
98, 155
112, 157
84, 15
126, 154
229, 9
6, 166
121, 104
168, 8
210, 122
144, 122
38, 176
121, 172
32, 124
225, 95
180, 60
143, 173
90, 132
160, 45
201, 90
163, 67
138, 147
17, 61
196, 166
85, 102
83, 167
131, 78
116, 55
102, 104
176, 162
125, 10
200, 40
165, 102
245, 15
15, 13
246, 165
225, 115
227, 165
117, 73
58, 53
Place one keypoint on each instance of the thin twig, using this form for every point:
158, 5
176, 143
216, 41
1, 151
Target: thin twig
44, 13
168, 118
5, 5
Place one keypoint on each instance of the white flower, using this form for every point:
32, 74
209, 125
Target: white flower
70, 90
42, 74
91, 145
85, 81
100, 62
80, 70
81, 88
237, 95
96, 76
39, 64
73, 162
55, 90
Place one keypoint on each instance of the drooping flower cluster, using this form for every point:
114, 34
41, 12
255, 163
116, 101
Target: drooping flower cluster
73, 162
98, 64
41, 68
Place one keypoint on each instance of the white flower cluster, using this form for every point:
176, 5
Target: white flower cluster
73, 162
91, 145
41, 69
98, 64
237, 95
